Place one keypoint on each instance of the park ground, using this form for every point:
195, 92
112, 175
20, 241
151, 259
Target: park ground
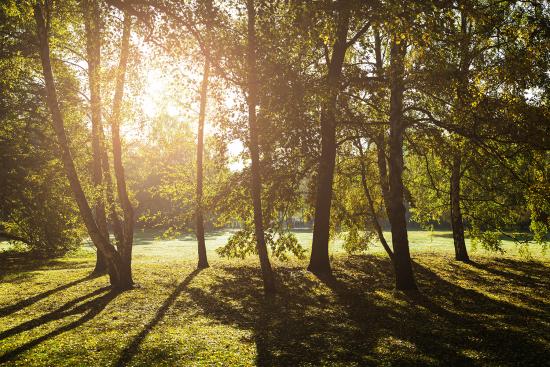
494, 311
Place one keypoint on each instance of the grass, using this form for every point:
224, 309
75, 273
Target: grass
494, 311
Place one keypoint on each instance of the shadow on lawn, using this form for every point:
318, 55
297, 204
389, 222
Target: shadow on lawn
21, 264
90, 308
8, 310
527, 273
355, 318
133, 347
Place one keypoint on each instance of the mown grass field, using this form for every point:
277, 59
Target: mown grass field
492, 312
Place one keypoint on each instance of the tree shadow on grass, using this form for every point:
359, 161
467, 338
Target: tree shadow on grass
91, 308
133, 347
522, 273
486, 323
8, 310
21, 263
359, 320
302, 325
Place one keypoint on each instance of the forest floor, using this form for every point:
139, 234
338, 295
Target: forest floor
494, 311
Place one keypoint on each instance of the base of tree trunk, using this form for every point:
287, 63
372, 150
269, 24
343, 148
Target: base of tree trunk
405, 285
322, 269
123, 284
203, 265
123, 287
463, 258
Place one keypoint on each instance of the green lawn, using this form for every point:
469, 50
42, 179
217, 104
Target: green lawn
492, 312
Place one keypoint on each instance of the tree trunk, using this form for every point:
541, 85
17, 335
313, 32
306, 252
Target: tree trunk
113, 258
203, 260
125, 203
90, 10
256, 180
404, 278
201, 242
319, 262
461, 254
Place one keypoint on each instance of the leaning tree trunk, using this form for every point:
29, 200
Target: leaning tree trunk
319, 262
203, 260
128, 211
114, 261
90, 10
404, 278
461, 254
256, 180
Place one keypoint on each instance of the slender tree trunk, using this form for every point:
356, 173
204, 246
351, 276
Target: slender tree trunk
90, 10
112, 257
404, 278
370, 201
256, 180
201, 242
461, 254
125, 203
203, 260
319, 262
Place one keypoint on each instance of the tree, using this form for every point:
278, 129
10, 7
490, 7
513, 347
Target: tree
118, 277
256, 180
404, 278
127, 238
203, 261
319, 261
90, 9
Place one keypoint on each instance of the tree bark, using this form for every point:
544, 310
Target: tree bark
256, 180
319, 262
203, 260
201, 242
90, 10
112, 257
461, 253
127, 208
404, 278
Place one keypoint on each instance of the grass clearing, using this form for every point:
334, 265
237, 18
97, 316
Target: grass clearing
492, 312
